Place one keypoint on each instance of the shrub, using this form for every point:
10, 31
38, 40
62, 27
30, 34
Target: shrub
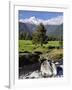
51, 47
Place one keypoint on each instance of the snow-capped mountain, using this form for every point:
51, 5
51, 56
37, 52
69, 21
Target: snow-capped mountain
53, 21
54, 26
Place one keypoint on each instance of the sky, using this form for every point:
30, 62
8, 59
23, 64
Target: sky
38, 14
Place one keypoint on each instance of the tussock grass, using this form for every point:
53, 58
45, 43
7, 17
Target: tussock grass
56, 54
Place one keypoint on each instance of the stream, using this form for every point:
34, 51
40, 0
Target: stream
30, 67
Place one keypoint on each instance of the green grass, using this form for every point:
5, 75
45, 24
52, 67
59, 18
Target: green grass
53, 43
26, 45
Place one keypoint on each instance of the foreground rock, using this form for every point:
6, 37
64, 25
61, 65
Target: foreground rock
48, 69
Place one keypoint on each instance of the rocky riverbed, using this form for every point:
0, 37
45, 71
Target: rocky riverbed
36, 66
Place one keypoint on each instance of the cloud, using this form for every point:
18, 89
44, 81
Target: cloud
53, 21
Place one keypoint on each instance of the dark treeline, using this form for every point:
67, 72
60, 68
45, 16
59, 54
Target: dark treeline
55, 38
27, 36
40, 30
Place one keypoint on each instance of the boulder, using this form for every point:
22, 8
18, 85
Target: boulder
46, 70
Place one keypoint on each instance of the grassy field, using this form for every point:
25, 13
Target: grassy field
26, 45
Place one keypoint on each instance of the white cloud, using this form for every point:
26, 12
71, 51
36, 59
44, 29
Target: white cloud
53, 21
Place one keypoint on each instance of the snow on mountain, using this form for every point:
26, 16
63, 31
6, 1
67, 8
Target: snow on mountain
53, 21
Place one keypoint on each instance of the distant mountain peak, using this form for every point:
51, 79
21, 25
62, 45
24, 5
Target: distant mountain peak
33, 18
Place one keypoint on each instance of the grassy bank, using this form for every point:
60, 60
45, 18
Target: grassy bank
26, 45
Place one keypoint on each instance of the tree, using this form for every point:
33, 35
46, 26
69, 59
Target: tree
39, 35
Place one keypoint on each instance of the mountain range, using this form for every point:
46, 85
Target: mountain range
54, 26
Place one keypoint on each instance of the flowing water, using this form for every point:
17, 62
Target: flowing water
29, 67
